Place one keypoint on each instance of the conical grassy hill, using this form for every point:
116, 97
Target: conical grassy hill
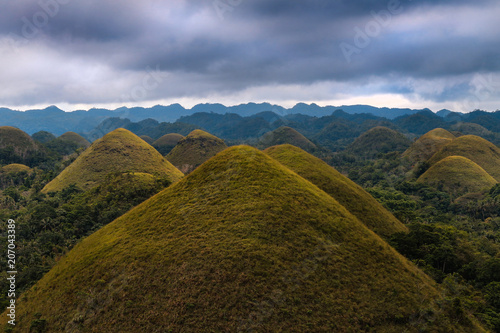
428, 144
193, 150
43, 136
457, 175
17, 146
148, 139
378, 140
75, 138
241, 244
68, 143
476, 149
356, 200
117, 152
286, 135
15, 168
166, 143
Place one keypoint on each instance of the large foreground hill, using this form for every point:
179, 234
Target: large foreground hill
360, 203
241, 244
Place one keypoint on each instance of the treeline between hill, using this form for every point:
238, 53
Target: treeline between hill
334, 131
454, 234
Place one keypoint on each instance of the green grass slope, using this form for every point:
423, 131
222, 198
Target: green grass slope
378, 140
166, 143
196, 148
457, 175
476, 149
356, 200
119, 151
286, 135
428, 144
241, 244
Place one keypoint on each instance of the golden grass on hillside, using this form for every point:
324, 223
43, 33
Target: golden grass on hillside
166, 143
15, 168
241, 244
287, 135
193, 150
118, 151
356, 200
476, 149
428, 144
457, 175
170, 139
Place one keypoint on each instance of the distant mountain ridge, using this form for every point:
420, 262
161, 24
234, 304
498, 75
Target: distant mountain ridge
57, 121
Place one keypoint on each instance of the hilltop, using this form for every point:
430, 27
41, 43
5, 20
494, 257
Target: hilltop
428, 144
378, 140
15, 168
194, 149
75, 138
18, 147
477, 149
240, 244
356, 200
43, 137
166, 143
68, 143
119, 151
286, 135
148, 139
457, 175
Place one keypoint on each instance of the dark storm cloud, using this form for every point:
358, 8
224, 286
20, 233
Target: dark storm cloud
234, 44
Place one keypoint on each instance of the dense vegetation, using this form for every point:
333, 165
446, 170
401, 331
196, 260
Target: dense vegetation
50, 225
453, 235
242, 243
456, 240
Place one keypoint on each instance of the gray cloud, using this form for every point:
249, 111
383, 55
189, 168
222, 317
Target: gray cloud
105, 48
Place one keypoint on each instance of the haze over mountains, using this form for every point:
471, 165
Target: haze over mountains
56, 121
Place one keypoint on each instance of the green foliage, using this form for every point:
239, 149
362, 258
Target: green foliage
67, 145
51, 225
492, 294
18, 147
436, 248
242, 243
43, 137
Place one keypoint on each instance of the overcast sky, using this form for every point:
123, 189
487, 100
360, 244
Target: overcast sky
79, 54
